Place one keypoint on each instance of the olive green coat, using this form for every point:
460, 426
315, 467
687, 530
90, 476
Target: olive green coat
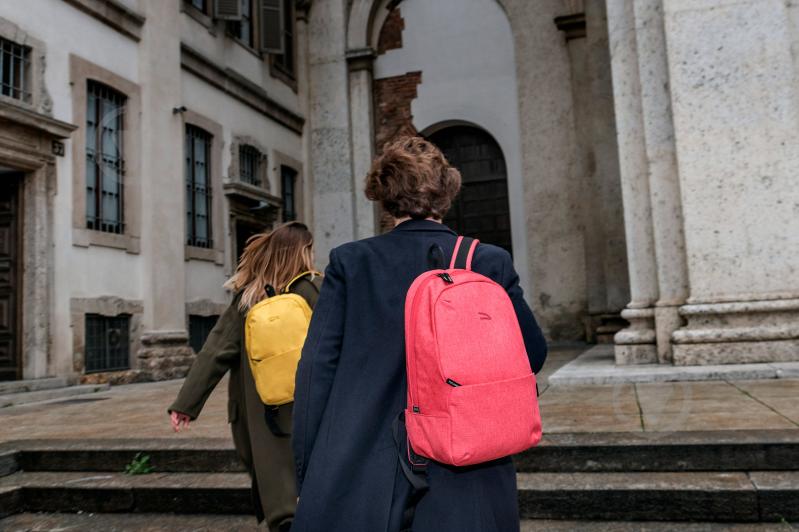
267, 457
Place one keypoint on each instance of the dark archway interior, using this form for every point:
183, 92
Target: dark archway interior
481, 209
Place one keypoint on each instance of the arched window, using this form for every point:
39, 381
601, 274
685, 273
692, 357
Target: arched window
481, 209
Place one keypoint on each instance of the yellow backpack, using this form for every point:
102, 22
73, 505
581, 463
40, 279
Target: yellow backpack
274, 333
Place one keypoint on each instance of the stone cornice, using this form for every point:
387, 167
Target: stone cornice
360, 59
38, 122
250, 192
239, 87
114, 14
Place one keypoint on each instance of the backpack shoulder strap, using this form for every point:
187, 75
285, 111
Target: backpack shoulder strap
463, 253
297, 278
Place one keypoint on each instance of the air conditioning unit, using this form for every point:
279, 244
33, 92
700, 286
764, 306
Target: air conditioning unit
227, 9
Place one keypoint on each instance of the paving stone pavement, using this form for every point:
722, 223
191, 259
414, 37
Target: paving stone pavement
139, 410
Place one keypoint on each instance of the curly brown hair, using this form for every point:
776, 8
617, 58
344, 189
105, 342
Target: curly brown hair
413, 178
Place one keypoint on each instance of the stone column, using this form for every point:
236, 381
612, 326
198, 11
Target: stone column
361, 117
735, 101
664, 185
303, 8
165, 352
605, 191
38, 190
636, 344
573, 26
330, 150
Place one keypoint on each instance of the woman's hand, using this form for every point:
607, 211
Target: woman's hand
179, 420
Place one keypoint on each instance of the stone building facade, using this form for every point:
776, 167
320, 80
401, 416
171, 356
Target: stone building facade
647, 149
141, 143
636, 157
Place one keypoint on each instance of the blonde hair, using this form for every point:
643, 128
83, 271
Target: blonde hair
274, 259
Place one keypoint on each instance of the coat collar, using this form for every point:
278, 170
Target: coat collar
423, 225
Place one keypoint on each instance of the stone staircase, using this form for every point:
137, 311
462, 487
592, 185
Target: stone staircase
708, 480
15, 393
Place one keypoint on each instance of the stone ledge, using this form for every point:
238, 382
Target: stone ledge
113, 14
597, 366
239, 87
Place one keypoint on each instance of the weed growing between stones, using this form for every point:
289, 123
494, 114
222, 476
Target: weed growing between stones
140, 465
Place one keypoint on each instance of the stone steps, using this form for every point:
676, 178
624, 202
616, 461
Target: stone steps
25, 522
32, 385
708, 496
755, 496
762, 450
745, 477
49, 394
105, 492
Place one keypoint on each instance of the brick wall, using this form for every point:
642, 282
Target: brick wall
391, 33
393, 97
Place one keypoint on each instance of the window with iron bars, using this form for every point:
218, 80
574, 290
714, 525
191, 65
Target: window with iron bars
107, 343
198, 187
250, 165
199, 329
15, 70
288, 178
105, 162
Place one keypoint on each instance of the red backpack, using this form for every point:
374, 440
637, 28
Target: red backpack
471, 394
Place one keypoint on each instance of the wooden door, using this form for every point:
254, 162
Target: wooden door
481, 209
10, 358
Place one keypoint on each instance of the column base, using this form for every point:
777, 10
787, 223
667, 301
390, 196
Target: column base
667, 320
636, 343
601, 327
738, 332
164, 355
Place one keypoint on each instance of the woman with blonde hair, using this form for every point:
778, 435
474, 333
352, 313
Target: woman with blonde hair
271, 261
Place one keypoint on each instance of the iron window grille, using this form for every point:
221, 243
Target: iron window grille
243, 29
198, 187
288, 180
105, 162
199, 329
107, 343
250, 165
286, 60
15, 70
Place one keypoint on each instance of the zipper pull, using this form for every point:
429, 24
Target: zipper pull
452, 383
446, 277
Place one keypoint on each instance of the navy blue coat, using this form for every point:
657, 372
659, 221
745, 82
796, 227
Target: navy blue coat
351, 385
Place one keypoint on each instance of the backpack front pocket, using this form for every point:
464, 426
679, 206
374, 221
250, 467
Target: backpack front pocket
274, 377
493, 420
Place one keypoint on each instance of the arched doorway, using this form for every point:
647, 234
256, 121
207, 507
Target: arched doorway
481, 209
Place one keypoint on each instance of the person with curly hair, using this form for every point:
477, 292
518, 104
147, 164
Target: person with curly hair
351, 380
